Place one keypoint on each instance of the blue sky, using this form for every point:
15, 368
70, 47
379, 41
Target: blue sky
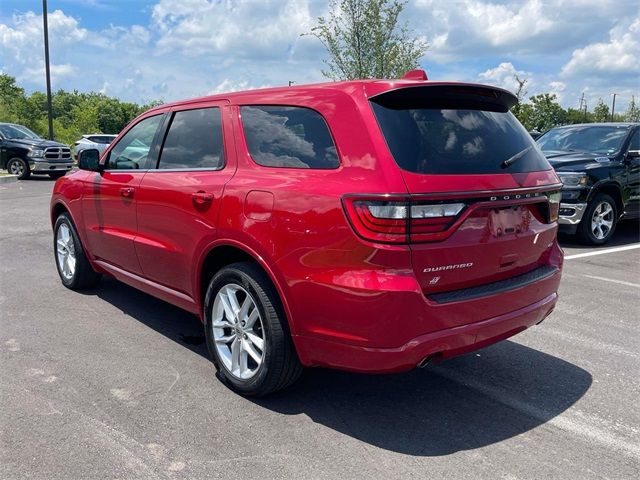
143, 50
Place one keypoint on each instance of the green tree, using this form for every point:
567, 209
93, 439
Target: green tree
521, 110
633, 111
601, 112
364, 40
575, 115
12, 101
546, 112
74, 113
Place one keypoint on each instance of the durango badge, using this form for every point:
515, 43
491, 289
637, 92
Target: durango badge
455, 266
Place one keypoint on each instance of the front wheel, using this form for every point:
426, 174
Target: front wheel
74, 269
247, 332
17, 166
599, 220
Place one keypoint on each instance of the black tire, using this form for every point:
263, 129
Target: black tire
57, 175
17, 166
83, 276
585, 230
280, 366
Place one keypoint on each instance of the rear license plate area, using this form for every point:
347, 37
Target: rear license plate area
509, 220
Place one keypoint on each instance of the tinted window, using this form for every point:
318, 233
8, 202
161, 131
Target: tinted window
194, 140
635, 141
457, 141
98, 139
585, 138
132, 150
292, 137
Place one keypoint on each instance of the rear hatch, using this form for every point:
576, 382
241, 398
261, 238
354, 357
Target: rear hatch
482, 205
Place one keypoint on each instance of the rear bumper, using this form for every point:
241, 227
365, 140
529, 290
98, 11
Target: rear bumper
445, 343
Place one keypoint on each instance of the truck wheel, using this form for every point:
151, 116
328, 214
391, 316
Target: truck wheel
247, 332
74, 269
599, 221
17, 166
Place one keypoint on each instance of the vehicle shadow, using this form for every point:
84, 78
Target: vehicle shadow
465, 403
172, 322
627, 232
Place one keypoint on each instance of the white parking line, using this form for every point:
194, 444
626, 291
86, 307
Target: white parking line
613, 281
602, 252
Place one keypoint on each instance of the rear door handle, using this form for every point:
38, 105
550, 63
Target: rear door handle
127, 192
200, 198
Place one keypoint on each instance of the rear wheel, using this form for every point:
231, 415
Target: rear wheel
74, 269
247, 334
17, 166
599, 220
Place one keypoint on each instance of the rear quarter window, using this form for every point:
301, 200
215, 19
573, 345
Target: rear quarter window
457, 141
284, 136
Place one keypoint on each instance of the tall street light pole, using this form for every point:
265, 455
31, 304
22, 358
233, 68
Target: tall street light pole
613, 107
46, 67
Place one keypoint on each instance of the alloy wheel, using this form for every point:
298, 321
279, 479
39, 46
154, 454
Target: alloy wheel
602, 220
238, 331
66, 252
16, 168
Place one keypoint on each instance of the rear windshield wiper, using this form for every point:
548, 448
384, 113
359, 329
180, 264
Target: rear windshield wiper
514, 158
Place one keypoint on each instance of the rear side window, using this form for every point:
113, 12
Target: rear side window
294, 137
194, 140
457, 140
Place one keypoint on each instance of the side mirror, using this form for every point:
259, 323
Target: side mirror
633, 154
89, 160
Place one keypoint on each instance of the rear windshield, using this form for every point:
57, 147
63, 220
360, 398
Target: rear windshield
458, 140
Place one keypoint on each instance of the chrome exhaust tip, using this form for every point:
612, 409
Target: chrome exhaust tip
425, 361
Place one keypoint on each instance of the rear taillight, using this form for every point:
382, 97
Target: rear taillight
554, 205
398, 219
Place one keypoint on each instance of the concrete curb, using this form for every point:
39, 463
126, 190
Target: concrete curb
8, 178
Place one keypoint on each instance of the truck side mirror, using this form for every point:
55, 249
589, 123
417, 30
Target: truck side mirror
90, 160
633, 154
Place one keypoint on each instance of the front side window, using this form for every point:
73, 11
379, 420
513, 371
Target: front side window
194, 140
294, 137
132, 150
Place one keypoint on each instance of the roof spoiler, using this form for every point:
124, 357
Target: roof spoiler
460, 96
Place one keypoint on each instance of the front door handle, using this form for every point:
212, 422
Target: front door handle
126, 192
201, 197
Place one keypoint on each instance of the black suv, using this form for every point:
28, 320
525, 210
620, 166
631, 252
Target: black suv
23, 152
599, 165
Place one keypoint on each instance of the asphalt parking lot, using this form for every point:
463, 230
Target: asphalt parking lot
113, 383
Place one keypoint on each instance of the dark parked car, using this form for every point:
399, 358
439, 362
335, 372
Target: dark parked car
23, 152
599, 165
371, 226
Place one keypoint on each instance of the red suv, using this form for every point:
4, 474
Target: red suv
370, 225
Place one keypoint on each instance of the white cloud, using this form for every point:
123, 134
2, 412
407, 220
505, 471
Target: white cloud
244, 29
190, 48
621, 54
461, 28
504, 76
22, 44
